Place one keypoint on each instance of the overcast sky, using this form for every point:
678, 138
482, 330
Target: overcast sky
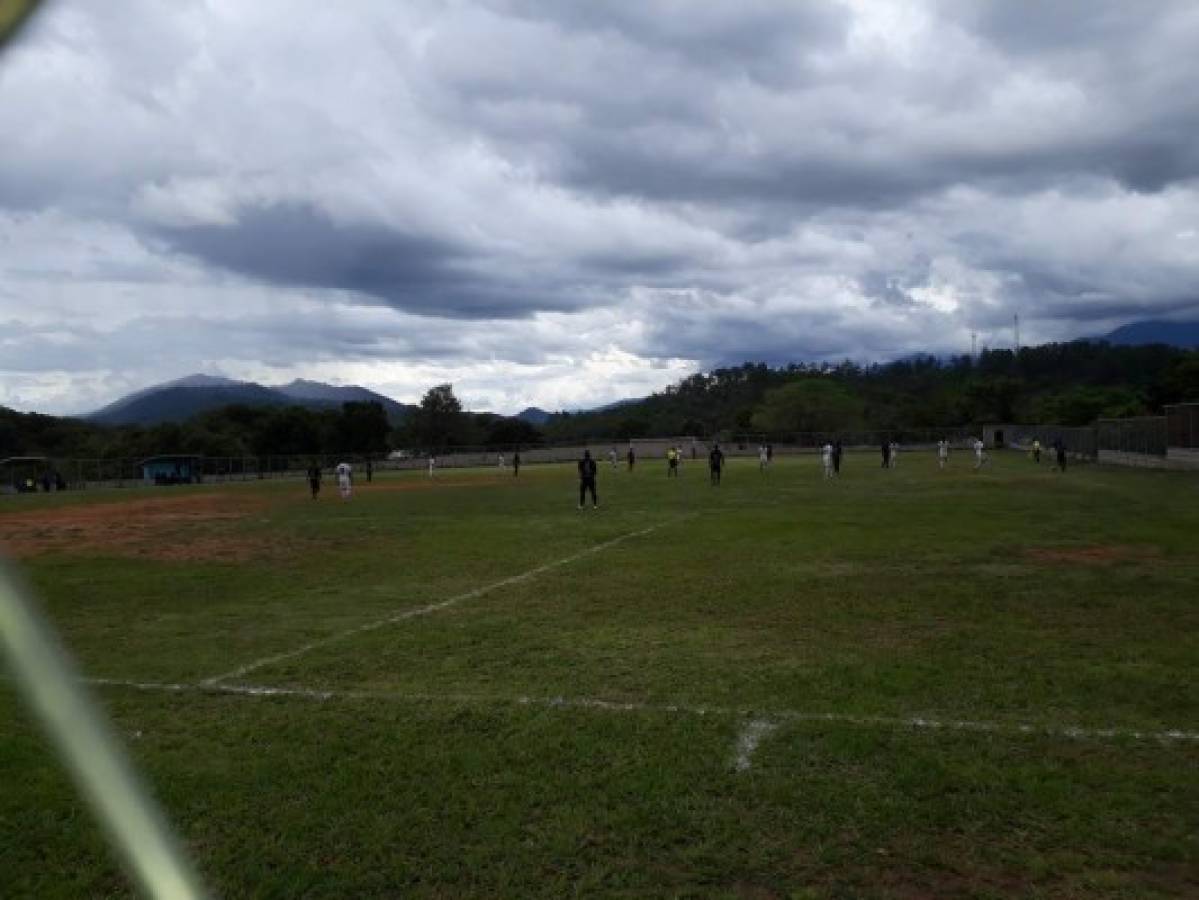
563, 204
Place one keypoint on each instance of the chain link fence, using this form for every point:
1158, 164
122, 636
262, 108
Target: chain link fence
1146, 440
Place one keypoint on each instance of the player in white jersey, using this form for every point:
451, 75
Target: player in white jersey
432, 464
942, 452
763, 460
894, 454
980, 453
344, 480
612, 457
500, 463
826, 458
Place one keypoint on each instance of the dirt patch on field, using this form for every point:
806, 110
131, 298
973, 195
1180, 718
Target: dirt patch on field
174, 528
1097, 555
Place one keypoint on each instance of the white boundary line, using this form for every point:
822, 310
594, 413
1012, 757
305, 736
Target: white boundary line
762, 718
747, 742
432, 607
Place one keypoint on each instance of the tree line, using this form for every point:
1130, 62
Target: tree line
1066, 384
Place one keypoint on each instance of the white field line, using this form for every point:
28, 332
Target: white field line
748, 740
773, 718
432, 607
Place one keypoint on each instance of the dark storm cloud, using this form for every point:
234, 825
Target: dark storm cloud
297, 245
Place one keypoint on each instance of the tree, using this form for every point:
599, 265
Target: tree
813, 404
290, 431
632, 428
362, 428
439, 421
508, 431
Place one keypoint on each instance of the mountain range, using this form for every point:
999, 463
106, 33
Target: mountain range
177, 400
1176, 334
185, 397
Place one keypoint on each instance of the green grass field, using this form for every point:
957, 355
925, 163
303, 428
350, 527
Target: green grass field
904, 683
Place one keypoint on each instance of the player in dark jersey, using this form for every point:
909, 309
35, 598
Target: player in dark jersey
715, 463
632, 459
587, 471
516, 464
314, 480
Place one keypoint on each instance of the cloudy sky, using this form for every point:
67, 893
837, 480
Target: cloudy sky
563, 204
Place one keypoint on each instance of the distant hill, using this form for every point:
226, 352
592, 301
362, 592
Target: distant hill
1174, 334
183, 398
317, 393
533, 415
608, 407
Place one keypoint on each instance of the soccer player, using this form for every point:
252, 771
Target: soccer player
612, 457
1036, 450
1059, 447
587, 472
632, 457
980, 454
516, 464
672, 462
370, 470
837, 450
314, 480
886, 454
500, 462
894, 454
826, 459
942, 452
345, 484
715, 463
762, 460
432, 464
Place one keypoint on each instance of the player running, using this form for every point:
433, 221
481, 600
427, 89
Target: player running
612, 457
587, 473
345, 484
715, 464
980, 454
763, 459
942, 453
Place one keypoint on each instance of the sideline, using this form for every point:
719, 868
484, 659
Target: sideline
771, 719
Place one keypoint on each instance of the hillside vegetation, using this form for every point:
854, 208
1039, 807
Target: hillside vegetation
1054, 384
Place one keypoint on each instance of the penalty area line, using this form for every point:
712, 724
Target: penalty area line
760, 722
402, 615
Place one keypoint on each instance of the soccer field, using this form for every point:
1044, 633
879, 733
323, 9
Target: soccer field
900, 683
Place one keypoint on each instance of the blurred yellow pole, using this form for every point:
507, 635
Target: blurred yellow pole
47, 679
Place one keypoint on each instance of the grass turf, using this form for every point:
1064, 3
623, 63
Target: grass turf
1011, 596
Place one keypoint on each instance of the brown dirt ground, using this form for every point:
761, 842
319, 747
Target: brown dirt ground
170, 528
1097, 555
